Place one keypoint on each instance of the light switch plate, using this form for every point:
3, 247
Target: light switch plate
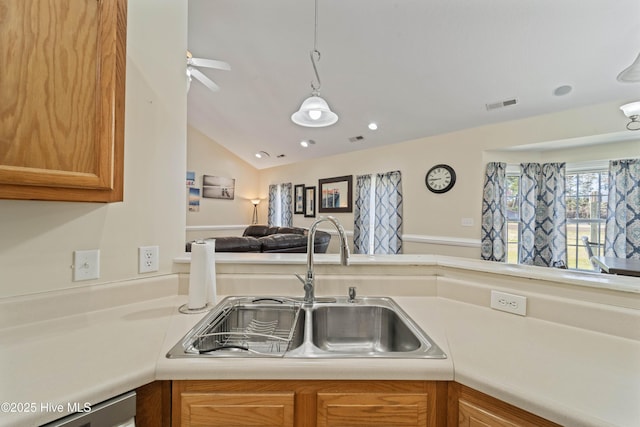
86, 265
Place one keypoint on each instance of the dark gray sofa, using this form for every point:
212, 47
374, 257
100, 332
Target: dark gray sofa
262, 238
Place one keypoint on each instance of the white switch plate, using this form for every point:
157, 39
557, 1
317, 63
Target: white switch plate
86, 265
516, 304
148, 259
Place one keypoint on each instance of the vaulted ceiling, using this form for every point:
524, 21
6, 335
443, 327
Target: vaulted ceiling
415, 67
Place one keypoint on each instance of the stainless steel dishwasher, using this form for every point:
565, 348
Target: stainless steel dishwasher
119, 411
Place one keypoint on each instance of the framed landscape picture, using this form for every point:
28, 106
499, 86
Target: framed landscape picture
217, 187
298, 199
310, 202
335, 194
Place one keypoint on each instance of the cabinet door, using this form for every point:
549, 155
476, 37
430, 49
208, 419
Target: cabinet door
62, 92
470, 415
369, 409
471, 408
237, 409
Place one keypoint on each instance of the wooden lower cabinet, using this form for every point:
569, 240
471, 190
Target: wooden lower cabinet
310, 403
316, 403
470, 408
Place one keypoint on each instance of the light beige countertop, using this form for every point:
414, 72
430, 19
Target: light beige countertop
573, 376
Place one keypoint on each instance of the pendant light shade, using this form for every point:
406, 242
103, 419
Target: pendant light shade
631, 74
315, 113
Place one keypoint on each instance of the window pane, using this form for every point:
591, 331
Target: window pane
572, 208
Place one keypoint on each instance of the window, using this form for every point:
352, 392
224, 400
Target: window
587, 193
513, 215
587, 190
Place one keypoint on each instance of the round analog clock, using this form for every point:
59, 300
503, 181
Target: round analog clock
440, 178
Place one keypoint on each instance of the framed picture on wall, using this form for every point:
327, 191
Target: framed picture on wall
310, 202
298, 199
335, 194
218, 187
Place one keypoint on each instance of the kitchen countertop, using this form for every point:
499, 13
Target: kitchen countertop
569, 375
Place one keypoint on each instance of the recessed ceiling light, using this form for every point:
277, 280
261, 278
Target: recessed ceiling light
261, 154
373, 126
307, 143
562, 90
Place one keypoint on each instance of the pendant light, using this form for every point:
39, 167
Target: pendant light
314, 111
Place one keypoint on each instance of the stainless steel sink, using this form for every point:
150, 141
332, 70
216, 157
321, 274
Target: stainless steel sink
361, 329
329, 328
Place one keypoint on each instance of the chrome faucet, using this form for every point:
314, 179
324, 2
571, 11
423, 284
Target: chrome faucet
308, 282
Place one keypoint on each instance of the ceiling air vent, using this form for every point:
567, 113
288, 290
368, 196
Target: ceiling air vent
356, 138
501, 104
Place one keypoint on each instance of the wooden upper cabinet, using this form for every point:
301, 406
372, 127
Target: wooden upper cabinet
62, 87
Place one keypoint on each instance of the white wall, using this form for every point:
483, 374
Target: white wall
37, 239
206, 157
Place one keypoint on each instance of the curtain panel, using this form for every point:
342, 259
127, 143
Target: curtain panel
362, 214
273, 214
378, 214
280, 211
622, 235
388, 222
543, 215
494, 219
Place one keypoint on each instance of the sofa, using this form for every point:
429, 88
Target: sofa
262, 238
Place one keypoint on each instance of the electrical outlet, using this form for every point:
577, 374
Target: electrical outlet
466, 222
148, 259
516, 304
86, 265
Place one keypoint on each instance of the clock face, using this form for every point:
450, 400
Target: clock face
440, 178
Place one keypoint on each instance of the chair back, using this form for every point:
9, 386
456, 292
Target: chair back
588, 247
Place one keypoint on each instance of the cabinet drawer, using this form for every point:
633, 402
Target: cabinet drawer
367, 409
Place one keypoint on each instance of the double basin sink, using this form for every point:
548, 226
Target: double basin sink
335, 327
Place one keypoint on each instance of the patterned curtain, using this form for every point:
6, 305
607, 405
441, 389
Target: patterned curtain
274, 203
388, 221
286, 205
385, 218
623, 210
494, 219
543, 215
362, 214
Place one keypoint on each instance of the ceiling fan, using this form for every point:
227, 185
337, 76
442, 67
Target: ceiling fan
193, 72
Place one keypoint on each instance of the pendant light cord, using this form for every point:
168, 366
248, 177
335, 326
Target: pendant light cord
315, 54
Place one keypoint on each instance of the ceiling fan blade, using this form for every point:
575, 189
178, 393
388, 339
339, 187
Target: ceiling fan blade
210, 63
204, 79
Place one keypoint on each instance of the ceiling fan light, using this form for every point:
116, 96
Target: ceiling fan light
631, 74
314, 112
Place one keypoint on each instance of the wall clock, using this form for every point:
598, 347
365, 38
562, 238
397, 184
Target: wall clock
440, 178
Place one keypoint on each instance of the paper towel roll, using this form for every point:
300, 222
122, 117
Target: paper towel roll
198, 275
212, 297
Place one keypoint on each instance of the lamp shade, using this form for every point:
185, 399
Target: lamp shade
631, 109
631, 74
314, 112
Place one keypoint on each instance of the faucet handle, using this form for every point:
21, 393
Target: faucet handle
352, 294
